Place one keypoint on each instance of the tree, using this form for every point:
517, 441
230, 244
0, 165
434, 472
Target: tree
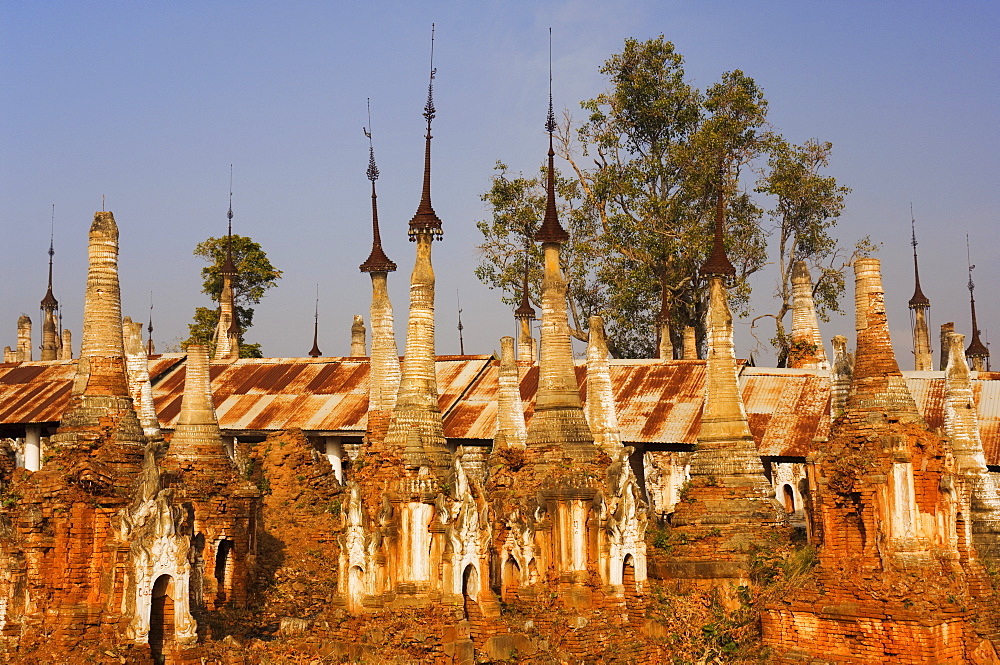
659, 146
255, 276
518, 205
807, 207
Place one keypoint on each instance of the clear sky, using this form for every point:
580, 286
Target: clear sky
149, 103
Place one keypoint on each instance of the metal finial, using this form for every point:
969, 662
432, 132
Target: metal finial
426, 220
525, 310
550, 230
461, 342
377, 261
968, 256
976, 348
429, 110
315, 352
49, 302
149, 328
52, 234
550, 120
228, 267
372, 172
918, 299
718, 263
102, 202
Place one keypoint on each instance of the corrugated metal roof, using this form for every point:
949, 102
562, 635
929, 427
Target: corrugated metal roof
928, 391
786, 410
658, 402
314, 394
38, 392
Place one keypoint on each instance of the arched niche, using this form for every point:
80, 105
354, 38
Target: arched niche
788, 498
355, 588
161, 617
510, 578
470, 588
223, 570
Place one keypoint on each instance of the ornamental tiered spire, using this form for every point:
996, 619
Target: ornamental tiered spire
49, 305
977, 352
919, 304
718, 263
426, 220
377, 261
551, 230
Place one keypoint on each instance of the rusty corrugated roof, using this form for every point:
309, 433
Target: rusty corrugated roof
786, 409
314, 394
658, 402
38, 392
928, 391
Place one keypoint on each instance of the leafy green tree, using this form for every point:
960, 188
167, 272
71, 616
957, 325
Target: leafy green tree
658, 145
807, 205
518, 205
255, 276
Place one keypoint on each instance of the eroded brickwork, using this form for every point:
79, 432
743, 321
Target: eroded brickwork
728, 506
898, 579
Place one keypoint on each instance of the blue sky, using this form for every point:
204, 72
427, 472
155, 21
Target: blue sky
149, 103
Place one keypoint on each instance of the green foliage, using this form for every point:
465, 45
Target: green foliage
518, 205
807, 206
334, 508
660, 146
255, 276
661, 540
640, 219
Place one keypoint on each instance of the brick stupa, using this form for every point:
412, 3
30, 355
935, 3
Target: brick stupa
898, 579
729, 505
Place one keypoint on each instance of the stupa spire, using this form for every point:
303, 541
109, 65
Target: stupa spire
315, 352
425, 218
384, 359
558, 425
977, 352
919, 304
100, 407
417, 412
49, 305
377, 261
227, 331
